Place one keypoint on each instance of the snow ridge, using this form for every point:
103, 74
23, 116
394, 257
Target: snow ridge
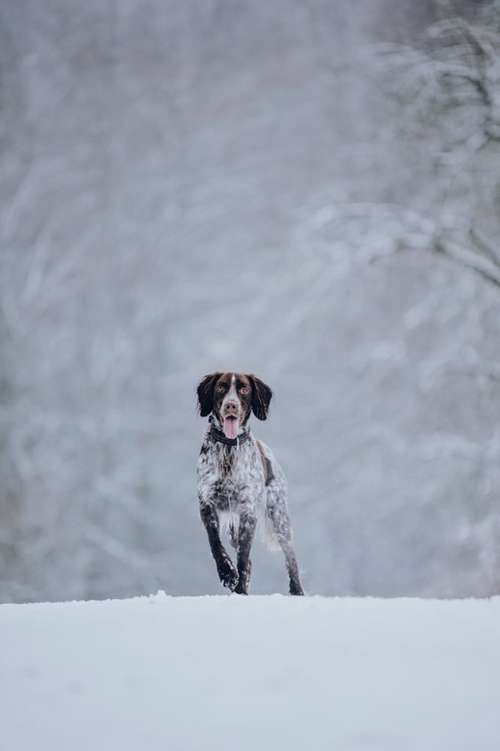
342, 673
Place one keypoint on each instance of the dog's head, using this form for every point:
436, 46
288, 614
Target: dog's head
231, 397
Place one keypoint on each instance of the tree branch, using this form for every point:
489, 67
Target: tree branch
483, 266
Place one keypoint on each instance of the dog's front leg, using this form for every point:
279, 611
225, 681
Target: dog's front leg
246, 533
225, 567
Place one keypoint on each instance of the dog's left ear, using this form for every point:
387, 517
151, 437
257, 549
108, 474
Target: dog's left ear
261, 397
205, 393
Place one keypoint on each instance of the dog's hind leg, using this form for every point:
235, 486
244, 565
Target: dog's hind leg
233, 535
292, 568
278, 514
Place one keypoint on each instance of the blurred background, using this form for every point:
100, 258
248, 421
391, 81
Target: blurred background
304, 189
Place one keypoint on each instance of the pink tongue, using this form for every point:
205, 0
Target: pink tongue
230, 427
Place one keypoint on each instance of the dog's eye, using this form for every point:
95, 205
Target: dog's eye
244, 389
220, 388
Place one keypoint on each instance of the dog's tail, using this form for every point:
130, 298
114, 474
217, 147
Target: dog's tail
268, 532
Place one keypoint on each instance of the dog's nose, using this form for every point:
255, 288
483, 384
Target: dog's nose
231, 408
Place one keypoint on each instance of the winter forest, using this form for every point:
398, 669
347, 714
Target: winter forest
307, 190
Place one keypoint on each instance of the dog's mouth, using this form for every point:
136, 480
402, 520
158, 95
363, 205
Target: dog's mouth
230, 426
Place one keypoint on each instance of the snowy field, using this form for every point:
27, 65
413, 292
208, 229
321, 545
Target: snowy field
200, 673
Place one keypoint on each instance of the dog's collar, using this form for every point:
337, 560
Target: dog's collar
219, 436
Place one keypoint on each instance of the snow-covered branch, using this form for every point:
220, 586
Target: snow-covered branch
457, 60
487, 268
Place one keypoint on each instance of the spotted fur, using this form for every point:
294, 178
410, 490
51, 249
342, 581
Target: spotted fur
240, 481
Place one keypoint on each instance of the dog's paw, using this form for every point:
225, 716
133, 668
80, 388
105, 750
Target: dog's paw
296, 588
244, 580
228, 575
241, 589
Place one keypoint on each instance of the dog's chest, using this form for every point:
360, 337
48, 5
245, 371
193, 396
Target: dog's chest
238, 468
237, 473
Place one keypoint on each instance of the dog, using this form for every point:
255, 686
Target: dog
239, 479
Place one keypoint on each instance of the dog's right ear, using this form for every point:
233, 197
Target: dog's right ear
205, 393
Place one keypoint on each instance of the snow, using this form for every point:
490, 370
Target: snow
189, 673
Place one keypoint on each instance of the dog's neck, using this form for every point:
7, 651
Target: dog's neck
217, 434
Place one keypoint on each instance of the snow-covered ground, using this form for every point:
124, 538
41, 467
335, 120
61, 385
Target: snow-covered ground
201, 673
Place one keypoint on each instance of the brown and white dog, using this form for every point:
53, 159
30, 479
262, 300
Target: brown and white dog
239, 479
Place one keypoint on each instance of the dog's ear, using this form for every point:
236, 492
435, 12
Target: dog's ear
261, 397
205, 393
